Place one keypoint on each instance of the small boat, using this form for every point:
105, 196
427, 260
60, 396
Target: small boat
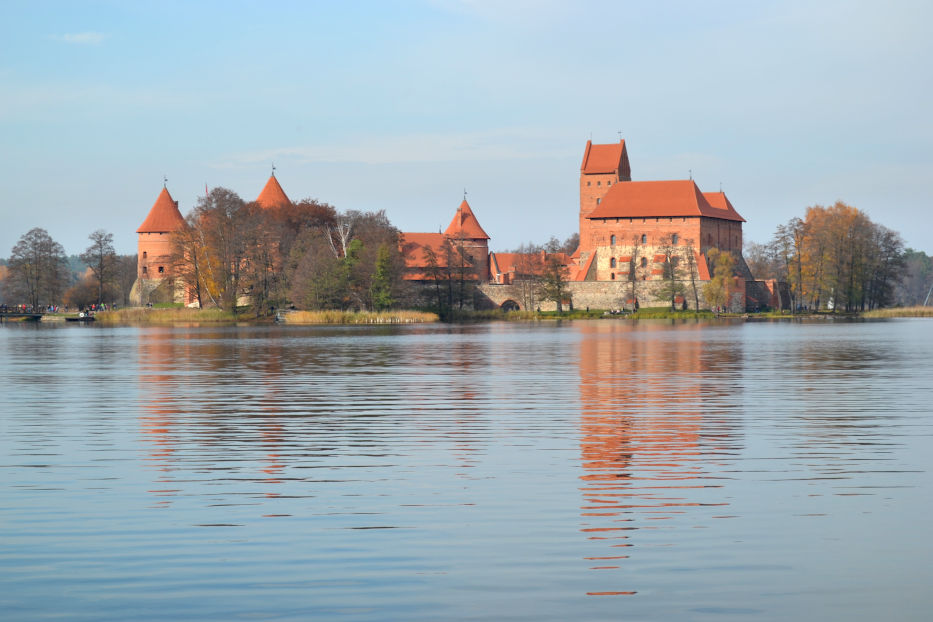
82, 317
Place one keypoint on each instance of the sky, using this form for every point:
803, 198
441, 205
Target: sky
404, 106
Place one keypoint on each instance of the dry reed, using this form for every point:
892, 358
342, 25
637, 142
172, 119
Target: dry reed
899, 312
363, 317
143, 315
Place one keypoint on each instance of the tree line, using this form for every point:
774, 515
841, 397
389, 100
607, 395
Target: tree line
39, 274
834, 258
304, 254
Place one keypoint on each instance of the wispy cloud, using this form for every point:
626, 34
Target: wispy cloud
81, 38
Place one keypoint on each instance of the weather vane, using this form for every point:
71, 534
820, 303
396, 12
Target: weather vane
464, 194
620, 134
273, 169
164, 181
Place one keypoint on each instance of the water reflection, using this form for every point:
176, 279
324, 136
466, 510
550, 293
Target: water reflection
652, 425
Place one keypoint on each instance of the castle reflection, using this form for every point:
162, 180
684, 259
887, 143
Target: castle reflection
649, 428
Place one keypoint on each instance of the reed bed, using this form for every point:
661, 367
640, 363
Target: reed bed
143, 315
361, 317
899, 312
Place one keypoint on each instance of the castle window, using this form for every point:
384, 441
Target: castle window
161, 269
612, 276
145, 270
674, 238
588, 183
612, 241
609, 183
144, 254
644, 262
612, 262
644, 238
599, 183
597, 201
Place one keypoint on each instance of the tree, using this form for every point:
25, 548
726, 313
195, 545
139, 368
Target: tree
672, 287
101, 258
529, 268
221, 230
693, 272
381, 287
917, 280
554, 282
633, 266
37, 268
718, 292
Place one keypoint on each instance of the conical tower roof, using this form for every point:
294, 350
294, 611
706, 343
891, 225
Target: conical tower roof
272, 195
164, 216
464, 225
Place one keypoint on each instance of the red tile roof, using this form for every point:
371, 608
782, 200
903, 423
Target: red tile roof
413, 249
465, 225
653, 199
719, 201
604, 158
272, 195
164, 216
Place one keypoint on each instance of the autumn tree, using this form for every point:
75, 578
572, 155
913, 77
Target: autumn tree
221, 229
718, 291
101, 258
554, 282
37, 269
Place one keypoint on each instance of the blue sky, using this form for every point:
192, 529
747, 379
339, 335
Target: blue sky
401, 105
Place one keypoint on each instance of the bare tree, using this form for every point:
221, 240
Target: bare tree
101, 259
38, 268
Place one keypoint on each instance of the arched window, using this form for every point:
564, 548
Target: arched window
144, 254
612, 241
613, 276
674, 238
644, 262
612, 262
644, 238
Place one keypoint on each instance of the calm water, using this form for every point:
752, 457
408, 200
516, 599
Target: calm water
584, 471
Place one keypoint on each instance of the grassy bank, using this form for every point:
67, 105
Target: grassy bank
143, 315
899, 312
363, 317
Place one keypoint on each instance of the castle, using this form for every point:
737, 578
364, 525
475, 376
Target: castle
629, 231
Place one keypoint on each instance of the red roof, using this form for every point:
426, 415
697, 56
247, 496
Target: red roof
413, 249
164, 216
465, 225
653, 199
603, 159
272, 195
719, 201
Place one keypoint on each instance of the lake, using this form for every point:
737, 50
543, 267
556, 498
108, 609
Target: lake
585, 470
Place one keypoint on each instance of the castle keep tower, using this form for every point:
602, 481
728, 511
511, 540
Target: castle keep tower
603, 166
154, 245
272, 194
465, 232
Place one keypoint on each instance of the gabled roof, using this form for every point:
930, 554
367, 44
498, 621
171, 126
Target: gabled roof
164, 216
653, 199
272, 195
465, 225
601, 159
719, 201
